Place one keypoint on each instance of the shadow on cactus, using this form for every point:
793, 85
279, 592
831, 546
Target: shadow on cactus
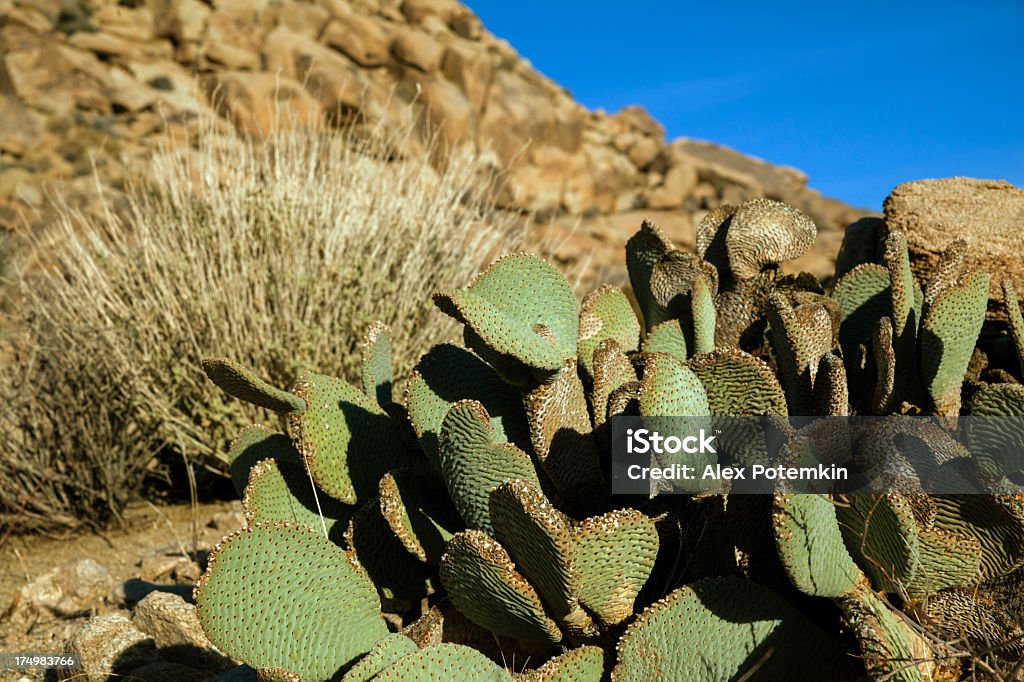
458, 523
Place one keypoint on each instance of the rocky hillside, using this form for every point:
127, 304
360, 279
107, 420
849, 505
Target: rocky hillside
91, 84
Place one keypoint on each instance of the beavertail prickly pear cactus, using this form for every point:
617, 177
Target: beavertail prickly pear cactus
456, 523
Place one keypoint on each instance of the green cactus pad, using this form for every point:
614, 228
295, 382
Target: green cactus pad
947, 560
447, 374
375, 370
511, 304
642, 251
484, 584
585, 664
948, 334
667, 337
612, 369
244, 384
282, 491
271, 595
764, 232
473, 463
669, 389
811, 547
562, 436
721, 629
615, 554
738, 384
422, 520
347, 441
253, 445
864, 297
396, 572
444, 663
905, 314
387, 651
1015, 321
702, 310
882, 537
888, 648
538, 538
606, 314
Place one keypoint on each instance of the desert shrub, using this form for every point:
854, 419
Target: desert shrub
277, 254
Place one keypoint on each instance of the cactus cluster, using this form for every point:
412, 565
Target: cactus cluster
474, 509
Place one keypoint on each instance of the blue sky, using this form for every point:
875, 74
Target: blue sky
860, 96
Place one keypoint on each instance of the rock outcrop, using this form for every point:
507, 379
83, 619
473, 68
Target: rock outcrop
91, 84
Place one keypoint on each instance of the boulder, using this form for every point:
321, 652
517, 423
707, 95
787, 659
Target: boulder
987, 214
109, 645
470, 68
419, 50
181, 20
174, 626
364, 41
678, 184
256, 102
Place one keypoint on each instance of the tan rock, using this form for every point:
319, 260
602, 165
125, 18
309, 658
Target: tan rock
109, 645
182, 20
644, 151
19, 130
719, 164
114, 45
255, 102
173, 86
304, 18
131, 23
471, 69
449, 113
234, 34
363, 40
420, 11
128, 94
467, 26
418, 50
174, 626
335, 81
636, 118
678, 184
987, 214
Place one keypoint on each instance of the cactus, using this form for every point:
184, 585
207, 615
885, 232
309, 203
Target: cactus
721, 629
477, 507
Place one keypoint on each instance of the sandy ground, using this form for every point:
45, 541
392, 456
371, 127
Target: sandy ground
148, 529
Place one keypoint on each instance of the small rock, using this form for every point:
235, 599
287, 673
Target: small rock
256, 102
174, 626
168, 564
182, 20
68, 590
109, 645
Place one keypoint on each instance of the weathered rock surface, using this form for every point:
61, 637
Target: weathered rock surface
174, 626
95, 84
987, 214
109, 645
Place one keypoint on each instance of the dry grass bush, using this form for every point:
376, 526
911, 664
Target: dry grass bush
277, 255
